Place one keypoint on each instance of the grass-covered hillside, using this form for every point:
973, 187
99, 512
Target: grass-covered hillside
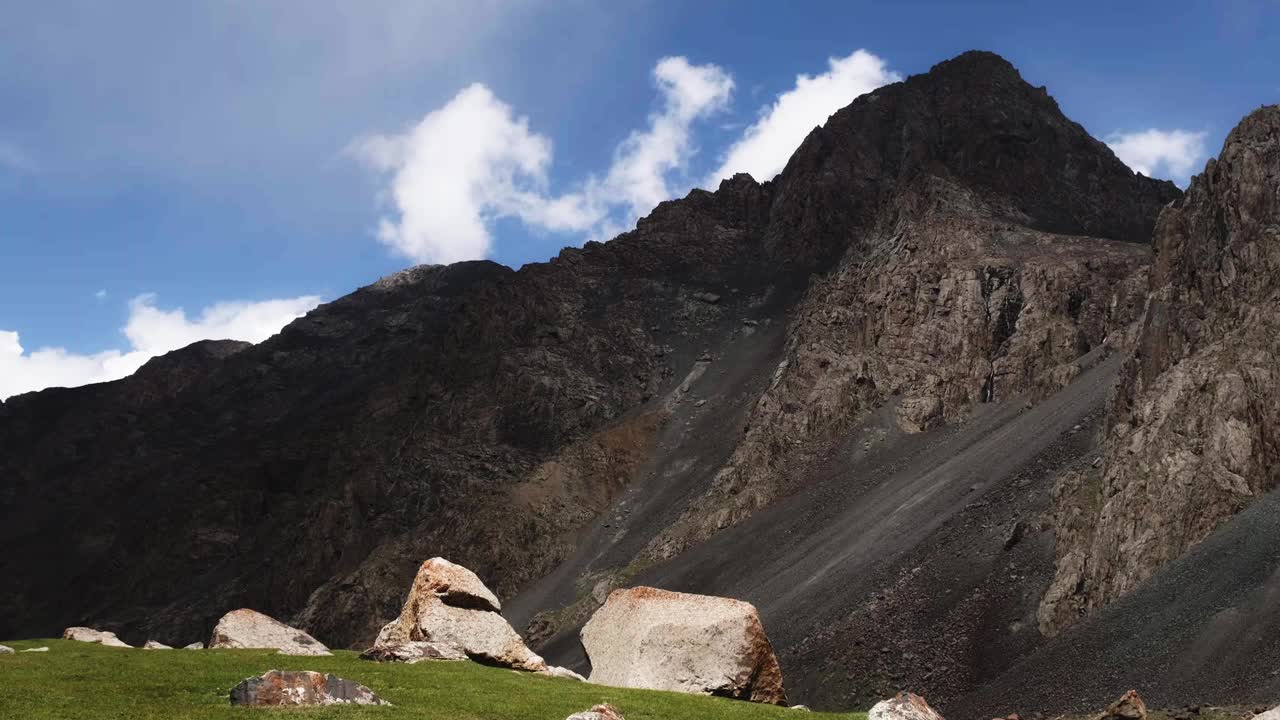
83, 680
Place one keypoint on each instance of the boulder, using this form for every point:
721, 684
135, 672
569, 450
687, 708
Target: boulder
649, 638
450, 613
153, 645
249, 629
194, 646
6, 650
1272, 714
598, 712
276, 688
84, 634
1129, 707
903, 706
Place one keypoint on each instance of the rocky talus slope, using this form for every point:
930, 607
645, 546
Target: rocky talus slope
1194, 433
869, 396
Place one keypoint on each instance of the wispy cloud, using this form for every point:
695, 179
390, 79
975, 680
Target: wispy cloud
150, 331
1171, 154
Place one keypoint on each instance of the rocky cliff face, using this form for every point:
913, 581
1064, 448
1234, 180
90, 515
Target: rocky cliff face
1192, 435
781, 392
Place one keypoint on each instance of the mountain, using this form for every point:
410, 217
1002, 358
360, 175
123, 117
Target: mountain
928, 399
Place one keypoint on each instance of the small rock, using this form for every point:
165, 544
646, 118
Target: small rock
903, 706
194, 646
561, 672
752, 323
600, 591
277, 688
6, 650
1129, 707
249, 629
599, 712
39, 649
801, 707
700, 403
89, 635
709, 298
153, 645
1015, 535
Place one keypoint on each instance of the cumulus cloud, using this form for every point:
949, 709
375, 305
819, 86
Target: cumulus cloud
473, 161
1173, 154
766, 145
463, 164
151, 331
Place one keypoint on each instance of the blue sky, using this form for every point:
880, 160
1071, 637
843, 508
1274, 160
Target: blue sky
170, 171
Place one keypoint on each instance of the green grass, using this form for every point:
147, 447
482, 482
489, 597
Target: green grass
83, 680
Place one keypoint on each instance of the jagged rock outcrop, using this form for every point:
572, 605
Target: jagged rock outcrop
957, 308
247, 629
89, 635
649, 638
1193, 430
288, 688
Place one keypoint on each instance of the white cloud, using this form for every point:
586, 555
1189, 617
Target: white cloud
460, 166
1173, 154
101, 294
766, 146
473, 161
641, 164
151, 331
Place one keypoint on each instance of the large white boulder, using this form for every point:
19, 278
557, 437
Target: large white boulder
249, 629
450, 614
89, 635
649, 638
